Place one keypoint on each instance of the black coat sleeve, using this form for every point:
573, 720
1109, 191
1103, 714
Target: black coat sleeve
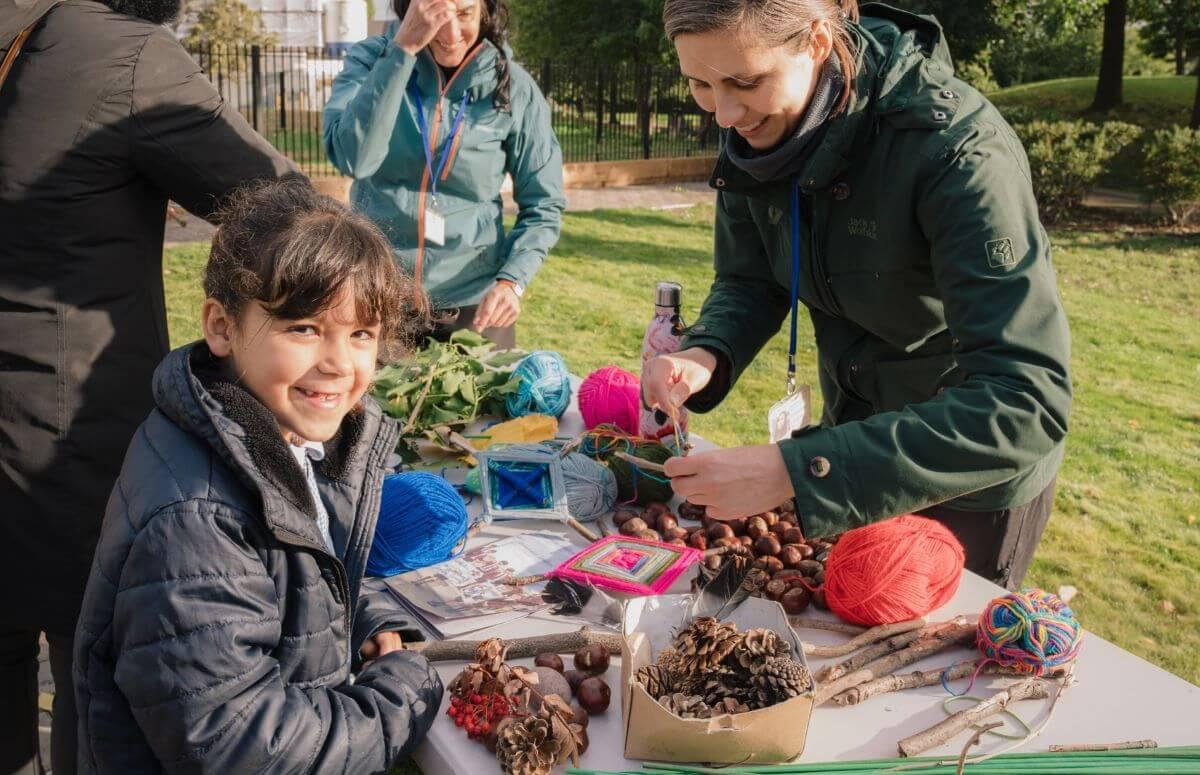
186, 138
195, 624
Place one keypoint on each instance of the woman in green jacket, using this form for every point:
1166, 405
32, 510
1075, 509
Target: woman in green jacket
860, 178
428, 119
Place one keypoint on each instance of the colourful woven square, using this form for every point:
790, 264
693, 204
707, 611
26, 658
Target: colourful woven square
629, 565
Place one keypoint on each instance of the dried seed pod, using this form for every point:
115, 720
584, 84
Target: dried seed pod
667, 522
594, 695
550, 660
697, 540
792, 535
719, 530
592, 659
632, 527
767, 546
756, 527
795, 600
790, 555
770, 517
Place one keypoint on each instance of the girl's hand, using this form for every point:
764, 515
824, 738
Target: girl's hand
732, 483
670, 380
499, 309
422, 22
379, 644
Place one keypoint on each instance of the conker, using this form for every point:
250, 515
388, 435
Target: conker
632, 527
655, 509
775, 589
792, 535
592, 659
790, 556
594, 695
667, 522
690, 511
746, 541
676, 542
822, 557
770, 517
697, 540
675, 534
738, 525
649, 535
789, 519
820, 577
772, 565
756, 527
809, 568
805, 550
818, 599
795, 600
547, 659
624, 514
767, 545
720, 530
779, 529
574, 678
581, 715
727, 541
713, 563
787, 574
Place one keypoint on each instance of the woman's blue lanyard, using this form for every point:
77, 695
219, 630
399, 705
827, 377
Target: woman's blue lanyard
436, 175
791, 367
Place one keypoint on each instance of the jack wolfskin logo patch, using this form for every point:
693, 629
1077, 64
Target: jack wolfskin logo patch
863, 227
774, 214
1000, 253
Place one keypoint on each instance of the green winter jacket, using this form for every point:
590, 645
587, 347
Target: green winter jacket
942, 344
372, 135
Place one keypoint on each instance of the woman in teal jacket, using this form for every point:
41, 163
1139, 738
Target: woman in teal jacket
428, 118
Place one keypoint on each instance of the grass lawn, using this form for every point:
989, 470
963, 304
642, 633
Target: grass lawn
1125, 528
1150, 101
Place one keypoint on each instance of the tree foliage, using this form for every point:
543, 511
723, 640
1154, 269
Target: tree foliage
1170, 29
589, 31
229, 23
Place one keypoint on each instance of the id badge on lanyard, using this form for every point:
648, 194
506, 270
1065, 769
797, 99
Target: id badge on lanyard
435, 222
794, 410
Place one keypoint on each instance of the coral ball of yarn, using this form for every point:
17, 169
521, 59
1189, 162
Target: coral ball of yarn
544, 388
1031, 630
611, 395
422, 521
893, 571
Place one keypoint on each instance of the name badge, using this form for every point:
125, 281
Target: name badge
435, 225
789, 415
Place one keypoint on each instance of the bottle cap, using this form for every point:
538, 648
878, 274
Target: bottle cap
668, 294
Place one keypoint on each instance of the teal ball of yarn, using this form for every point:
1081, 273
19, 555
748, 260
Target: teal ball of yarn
422, 521
544, 386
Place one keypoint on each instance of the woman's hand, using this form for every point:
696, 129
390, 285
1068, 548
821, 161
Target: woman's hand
499, 309
732, 483
379, 644
670, 380
422, 22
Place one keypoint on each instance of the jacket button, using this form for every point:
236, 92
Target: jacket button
699, 328
854, 368
947, 94
939, 115
820, 467
841, 191
720, 182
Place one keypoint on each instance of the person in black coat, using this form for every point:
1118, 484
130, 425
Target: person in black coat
225, 609
103, 118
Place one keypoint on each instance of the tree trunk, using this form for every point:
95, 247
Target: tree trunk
1112, 57
1195, 123
1180, 54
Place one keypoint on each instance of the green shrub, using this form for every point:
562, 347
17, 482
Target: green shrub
1066, 158
1171, 172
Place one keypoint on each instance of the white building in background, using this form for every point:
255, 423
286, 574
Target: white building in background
331, 24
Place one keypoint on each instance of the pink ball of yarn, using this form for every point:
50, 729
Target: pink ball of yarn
611, 395
892, 571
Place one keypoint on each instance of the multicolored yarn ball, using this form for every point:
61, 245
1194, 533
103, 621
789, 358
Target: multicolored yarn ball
637, 485
544, 387
422, 521
1032, 631
892, 571
611, 395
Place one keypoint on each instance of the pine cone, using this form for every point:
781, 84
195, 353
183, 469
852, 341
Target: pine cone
730, 685
704, 644
656, 679
781, 678
527, 747
729, 705
757, 645
685, 706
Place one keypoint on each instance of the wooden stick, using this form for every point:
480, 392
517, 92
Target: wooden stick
809, 623
980, 732
1028, 689
520, 648
916, 679
645, 465
865, 657
578, 527
878, 633
952, 635
520, 581
1127, 746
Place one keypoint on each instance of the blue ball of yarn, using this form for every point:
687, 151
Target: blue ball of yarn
422, 520
545, 386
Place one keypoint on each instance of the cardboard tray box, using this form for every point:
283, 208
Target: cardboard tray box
768, 736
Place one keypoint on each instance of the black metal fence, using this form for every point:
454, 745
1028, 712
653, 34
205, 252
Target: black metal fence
607, 112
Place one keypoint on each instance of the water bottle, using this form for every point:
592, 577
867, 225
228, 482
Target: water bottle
663, 335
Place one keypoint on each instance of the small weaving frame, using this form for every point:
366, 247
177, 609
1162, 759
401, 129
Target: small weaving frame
655, 570
557, 509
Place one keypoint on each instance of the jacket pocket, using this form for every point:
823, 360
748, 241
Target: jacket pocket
911, 381
32, 367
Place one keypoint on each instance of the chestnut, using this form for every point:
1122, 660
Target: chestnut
805, 550
632, 527
675, 534
550, 660
649, 535
767, 545
779, 529
690, 511
770, 517
789, 519
675, 542
756, 527
623, 515
655, 509
581, 716
592, 659
772, 565
775, 589
746, 541
818, 599
787, 574
738, 526
594, 695
727, 541
713, 562
793, 535
790, 555
666, 522
697, 540
574, 678
720, 530
795, 600
809, 568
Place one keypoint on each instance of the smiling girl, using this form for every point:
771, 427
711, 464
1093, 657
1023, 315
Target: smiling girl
223, 616
860, 178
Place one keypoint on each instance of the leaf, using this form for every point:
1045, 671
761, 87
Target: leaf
467, 389
452, 381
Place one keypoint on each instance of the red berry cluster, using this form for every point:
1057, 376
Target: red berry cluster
478, 713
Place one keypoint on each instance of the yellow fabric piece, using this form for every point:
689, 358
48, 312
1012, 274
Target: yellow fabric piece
529, 429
